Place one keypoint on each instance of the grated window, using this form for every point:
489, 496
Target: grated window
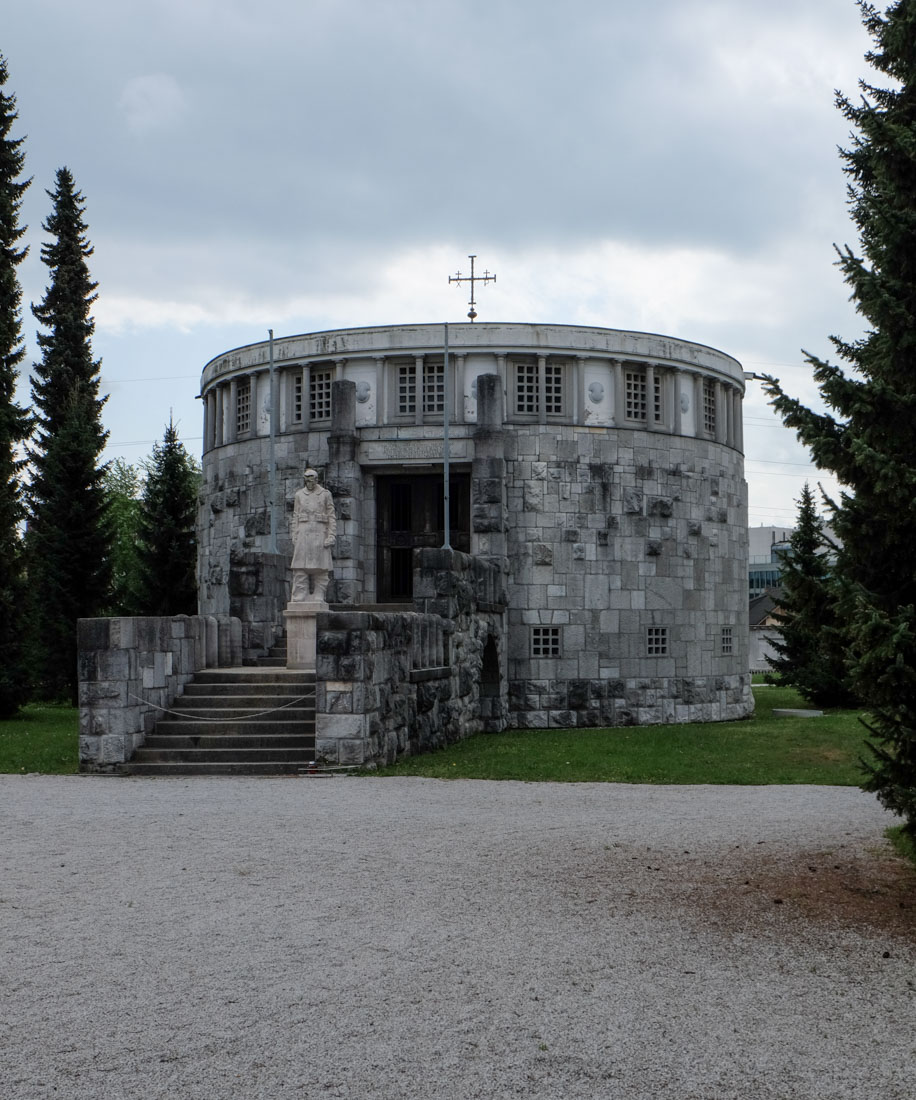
553, 389
635, 392
656, 641
657, 400
545, 641
297, 399
726, 640
526, 389
433, 388
407, 389
243, 406
709, 405
320, 394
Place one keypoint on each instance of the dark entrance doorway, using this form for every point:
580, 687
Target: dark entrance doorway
411, 513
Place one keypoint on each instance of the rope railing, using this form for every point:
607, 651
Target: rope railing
201, 718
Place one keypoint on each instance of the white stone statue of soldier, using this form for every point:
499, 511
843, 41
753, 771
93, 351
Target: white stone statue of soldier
313, 529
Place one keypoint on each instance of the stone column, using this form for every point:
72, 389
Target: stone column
673, 416
503, 378
233, 431
699, 407
620, 400
219, 424
306, 388
579, 390
419, 389
739, 420
458, 381
721, 414
209, 420
489, 514
381, 391
650, 398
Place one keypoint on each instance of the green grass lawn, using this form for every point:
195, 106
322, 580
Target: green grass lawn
760, 750
42, 739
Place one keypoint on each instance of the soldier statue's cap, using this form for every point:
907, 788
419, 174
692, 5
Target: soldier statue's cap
310, 472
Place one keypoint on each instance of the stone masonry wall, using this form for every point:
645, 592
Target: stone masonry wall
394, 684
613, 533
129, 667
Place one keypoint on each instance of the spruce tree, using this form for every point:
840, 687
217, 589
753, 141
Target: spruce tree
14, 421
167, 545
867, 436
68, 537
809, 651
121, 485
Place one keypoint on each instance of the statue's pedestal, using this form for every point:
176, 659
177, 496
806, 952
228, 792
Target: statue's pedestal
301, 630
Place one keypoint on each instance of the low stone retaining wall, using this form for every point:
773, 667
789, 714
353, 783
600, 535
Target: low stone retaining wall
390, 684
130, 666
565, 704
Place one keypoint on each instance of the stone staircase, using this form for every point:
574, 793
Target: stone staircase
254, 720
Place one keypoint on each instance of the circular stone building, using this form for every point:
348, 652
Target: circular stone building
602, 470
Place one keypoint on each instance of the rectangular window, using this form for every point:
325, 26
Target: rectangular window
553, 389
433, 388
656, 641
320, 393
635, 395
545, 641
657, 400
407, 389
726, 640
297, 399
532, 393
709, 406
526, 389
243, 406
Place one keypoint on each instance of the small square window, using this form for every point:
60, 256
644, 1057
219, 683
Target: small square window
656, 641
320, 393
243, 406
545, 641
726, 639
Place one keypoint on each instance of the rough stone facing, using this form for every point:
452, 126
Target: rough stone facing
130, 668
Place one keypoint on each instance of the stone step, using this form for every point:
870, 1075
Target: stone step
286, 688
245, 704
246, 767
272, 662
239, 697
249, 720
223, 756
252, 674
173, 742
233, 727
210, 717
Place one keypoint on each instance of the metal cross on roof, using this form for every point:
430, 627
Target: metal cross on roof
472, 279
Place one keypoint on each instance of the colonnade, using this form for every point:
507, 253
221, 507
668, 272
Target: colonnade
292, 387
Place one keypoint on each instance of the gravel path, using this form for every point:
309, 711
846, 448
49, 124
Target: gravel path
409, 938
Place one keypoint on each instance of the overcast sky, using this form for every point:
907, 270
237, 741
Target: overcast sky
668, 166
